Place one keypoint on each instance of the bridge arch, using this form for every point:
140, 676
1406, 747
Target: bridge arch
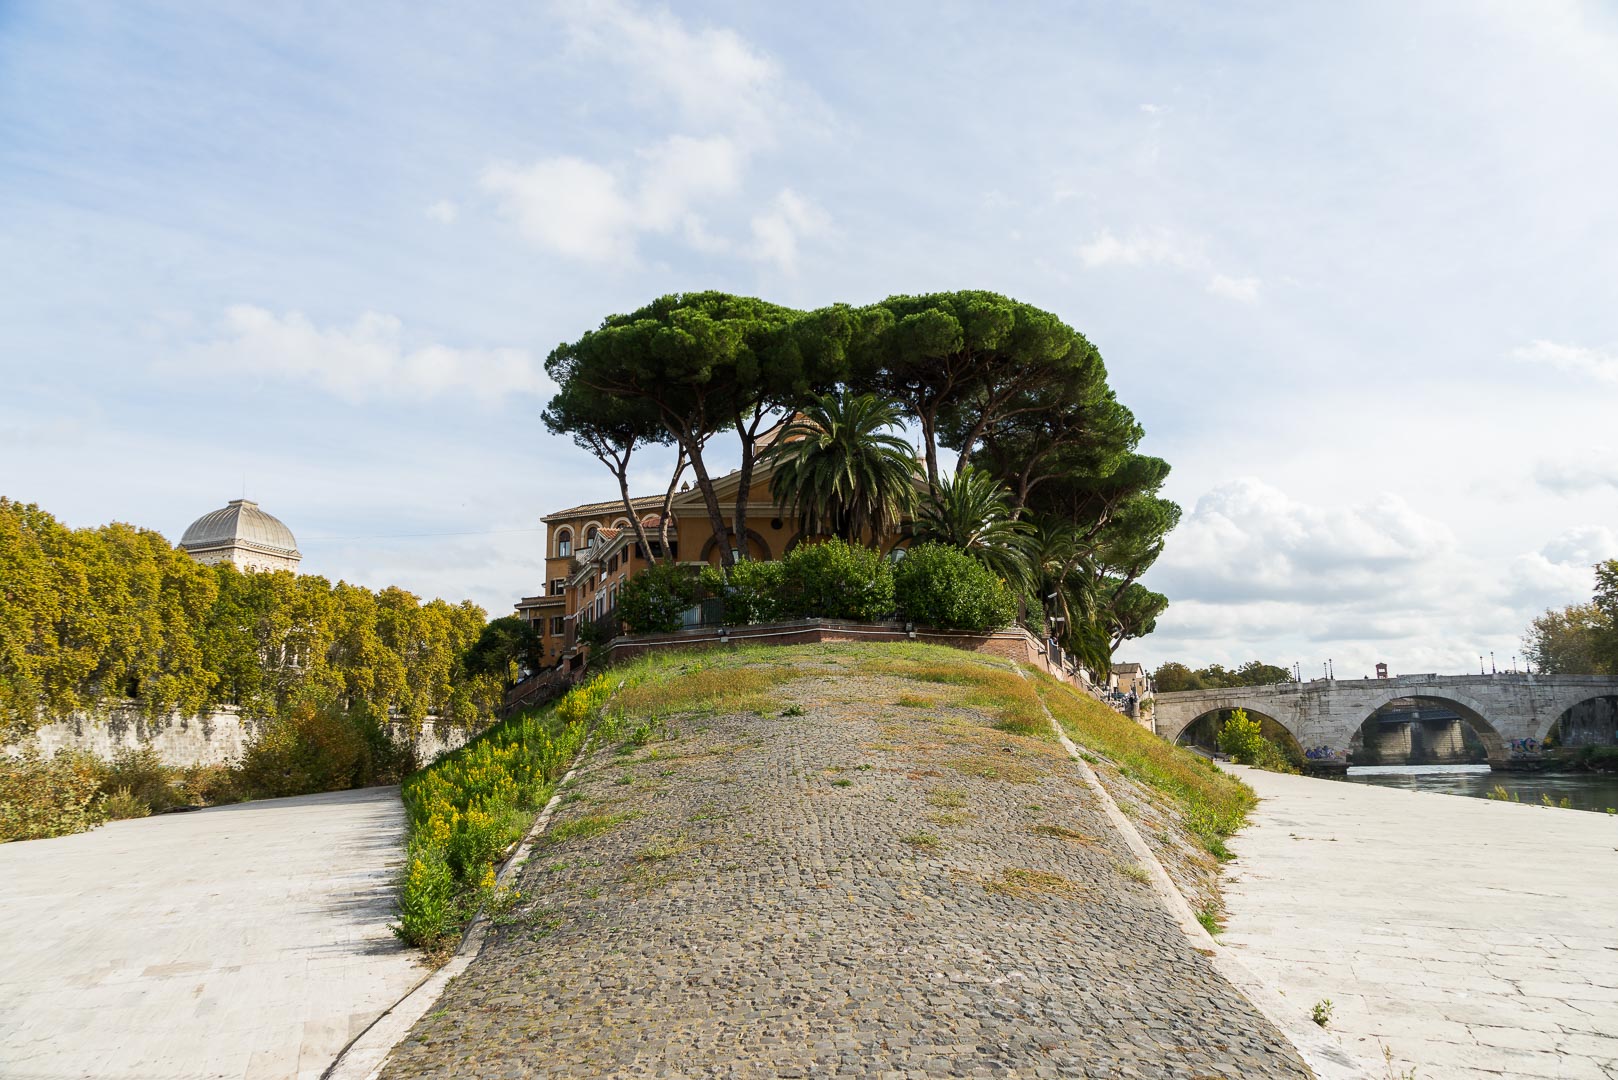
1200, 729
1565, 728
1471, 711
1175, 730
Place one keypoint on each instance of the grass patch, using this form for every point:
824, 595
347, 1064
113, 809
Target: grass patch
1018, 881
1208, 916
665, 847
946, 798
940, 817
1004, 767
1213, 804
916, 701
842, 781
1062, 833
588, 825
735, 681
1135, 872
924, 840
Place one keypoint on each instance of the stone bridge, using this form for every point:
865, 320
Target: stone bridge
1512, 713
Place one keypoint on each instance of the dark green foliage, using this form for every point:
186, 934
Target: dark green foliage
1020, 396
653, 601
836, 580
972, 512
751, 590
942, 586
506, 647
841, 471
1173, 676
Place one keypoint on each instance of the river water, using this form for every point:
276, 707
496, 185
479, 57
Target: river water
1583, 791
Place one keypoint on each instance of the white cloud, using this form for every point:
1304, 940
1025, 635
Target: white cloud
714, 77
1596, 467
790, 219
568, 205
368, 360
1561, 572
1139, 249
1246, 541
1243, 289
1161, 247
716, 83
1598, 364
444, 212
580, 209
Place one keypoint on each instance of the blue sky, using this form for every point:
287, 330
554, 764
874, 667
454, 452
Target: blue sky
1355, 267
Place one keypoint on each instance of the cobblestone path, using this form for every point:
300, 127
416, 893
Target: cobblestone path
867, 889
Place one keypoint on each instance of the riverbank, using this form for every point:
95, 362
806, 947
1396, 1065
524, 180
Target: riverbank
1473, 938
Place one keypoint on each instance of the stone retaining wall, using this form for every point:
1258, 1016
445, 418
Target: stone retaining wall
217, 738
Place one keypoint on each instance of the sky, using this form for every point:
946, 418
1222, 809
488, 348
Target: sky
1354, 267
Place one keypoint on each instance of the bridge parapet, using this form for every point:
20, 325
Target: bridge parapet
1512, 712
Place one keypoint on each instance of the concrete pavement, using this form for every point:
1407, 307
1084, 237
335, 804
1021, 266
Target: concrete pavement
1473, 938
245, 941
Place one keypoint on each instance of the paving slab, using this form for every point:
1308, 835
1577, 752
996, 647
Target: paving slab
238, 941
1470, 937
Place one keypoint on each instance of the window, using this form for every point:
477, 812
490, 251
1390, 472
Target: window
557, 585
556, 625
564, 544
590, 535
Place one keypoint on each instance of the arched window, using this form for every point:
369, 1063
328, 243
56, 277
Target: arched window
564, 544
590, 535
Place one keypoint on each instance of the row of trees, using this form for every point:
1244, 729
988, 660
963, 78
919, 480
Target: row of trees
1173, 676
1581, 639
1049, 491
93, 617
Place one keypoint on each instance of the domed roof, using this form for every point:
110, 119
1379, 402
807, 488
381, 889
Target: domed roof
240, 523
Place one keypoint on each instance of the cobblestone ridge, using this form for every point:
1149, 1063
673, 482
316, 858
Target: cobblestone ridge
870, 888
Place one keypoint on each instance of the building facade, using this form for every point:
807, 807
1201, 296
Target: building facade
591, 550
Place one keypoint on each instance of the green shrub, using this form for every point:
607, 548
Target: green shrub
465, 809
320, 748
654, 600
123, 804
833, 579
751, 590
1242, 737
55, 796
141, 776
943, 586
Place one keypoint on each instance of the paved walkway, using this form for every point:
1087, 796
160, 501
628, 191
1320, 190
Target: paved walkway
1473, 938
240, 941
865, 889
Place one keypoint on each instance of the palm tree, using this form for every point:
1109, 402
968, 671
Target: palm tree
841, 470
1064, 574
971, 511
